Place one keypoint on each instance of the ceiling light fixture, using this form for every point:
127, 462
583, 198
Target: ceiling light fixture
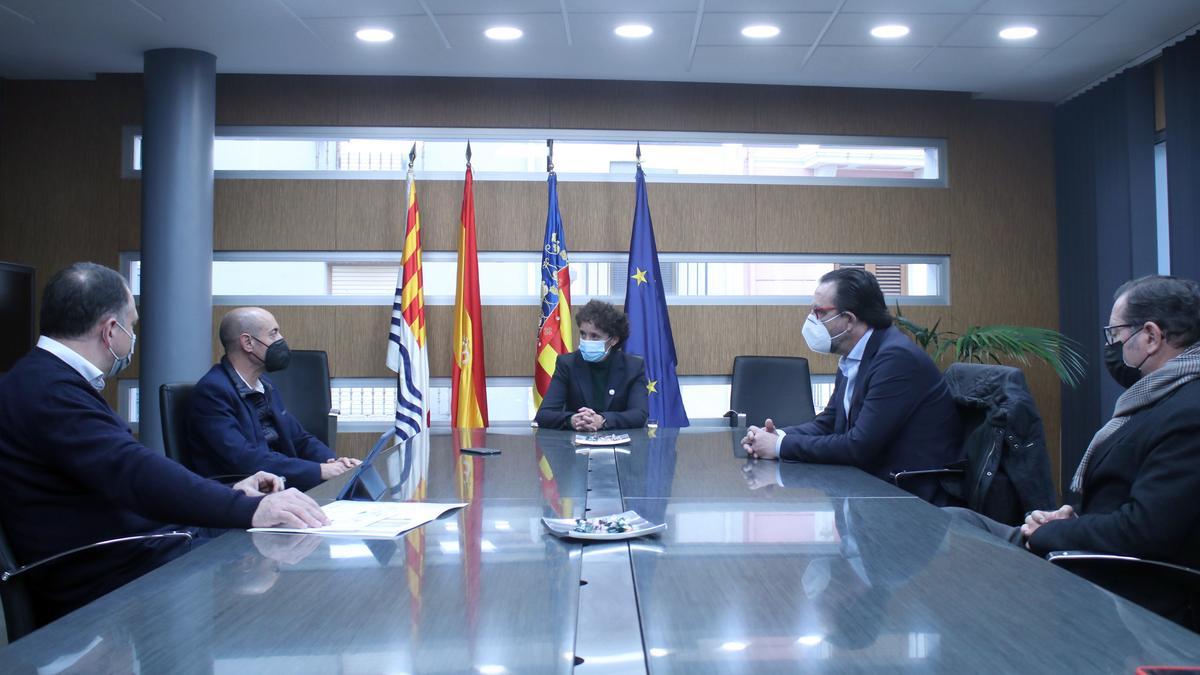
1018, 32
374, 35
760, 31
890, 31
633, 30
504, 33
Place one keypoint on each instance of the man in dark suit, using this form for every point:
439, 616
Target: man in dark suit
598, 386
71, 472
1139, 478
237, 422
890, 409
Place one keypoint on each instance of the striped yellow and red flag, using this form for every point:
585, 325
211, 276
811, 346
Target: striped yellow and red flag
468, 405
406, 354
556, 333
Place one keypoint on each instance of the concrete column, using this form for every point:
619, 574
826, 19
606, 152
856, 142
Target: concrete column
178, 126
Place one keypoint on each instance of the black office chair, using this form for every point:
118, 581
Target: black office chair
20, 615
996, 476
775, 387
304, 386
1169, 589
173, 401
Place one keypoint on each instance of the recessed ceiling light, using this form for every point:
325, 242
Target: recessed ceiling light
633, 30
503, 33
1018, 32
374, 35
760, 31
890, 31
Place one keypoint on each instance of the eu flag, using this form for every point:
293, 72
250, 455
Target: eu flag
649, 325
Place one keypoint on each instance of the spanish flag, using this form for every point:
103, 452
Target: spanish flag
556, 334
468, 406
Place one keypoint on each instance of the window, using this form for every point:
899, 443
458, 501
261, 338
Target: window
366, 278
587, 155
1162, 214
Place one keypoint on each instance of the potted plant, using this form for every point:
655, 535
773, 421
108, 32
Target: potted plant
994, 344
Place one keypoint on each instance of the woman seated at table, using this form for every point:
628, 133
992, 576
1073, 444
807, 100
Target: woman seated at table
599, 386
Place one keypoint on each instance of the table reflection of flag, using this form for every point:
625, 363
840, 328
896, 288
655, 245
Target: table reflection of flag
470, 490
414, 541
561, 507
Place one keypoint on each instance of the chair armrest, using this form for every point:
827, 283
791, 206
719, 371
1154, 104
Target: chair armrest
898, 476
108, 542
1067, 559
331, 432
736, 419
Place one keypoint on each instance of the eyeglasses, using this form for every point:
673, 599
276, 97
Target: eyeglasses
818, 311
1110, 332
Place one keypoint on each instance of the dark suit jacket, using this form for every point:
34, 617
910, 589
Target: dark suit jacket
226, 438
72, 474
1140, 491
901, 417
571, 389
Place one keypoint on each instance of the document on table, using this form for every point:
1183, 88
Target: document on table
381, 520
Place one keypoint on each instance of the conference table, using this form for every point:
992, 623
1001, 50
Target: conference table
763, 567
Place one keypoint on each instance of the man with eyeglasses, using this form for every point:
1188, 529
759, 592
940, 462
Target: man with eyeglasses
71, 472
237, 422
1136, 486
890, 409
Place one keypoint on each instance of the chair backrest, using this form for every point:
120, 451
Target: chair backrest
304, 386
173, 401
775, 387
1004, 479
19, 617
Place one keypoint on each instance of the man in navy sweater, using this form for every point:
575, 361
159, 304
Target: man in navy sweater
237, 422
71, 472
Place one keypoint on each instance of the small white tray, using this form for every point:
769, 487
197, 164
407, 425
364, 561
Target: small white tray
601, 440
565, 527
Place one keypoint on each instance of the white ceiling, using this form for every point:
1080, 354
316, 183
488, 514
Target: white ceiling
953, 44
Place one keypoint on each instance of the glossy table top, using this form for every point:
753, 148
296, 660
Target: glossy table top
764, 567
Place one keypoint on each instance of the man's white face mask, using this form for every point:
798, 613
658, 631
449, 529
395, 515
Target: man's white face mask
816, 333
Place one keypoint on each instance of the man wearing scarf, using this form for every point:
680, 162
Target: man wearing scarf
1136, 487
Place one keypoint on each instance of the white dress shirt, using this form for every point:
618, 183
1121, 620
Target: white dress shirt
85, 368
848, 364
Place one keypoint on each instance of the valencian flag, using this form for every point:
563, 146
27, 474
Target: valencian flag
406, 354
649, 325
556, 334
468, 405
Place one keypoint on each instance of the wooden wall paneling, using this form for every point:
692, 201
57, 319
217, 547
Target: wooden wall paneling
129, 214
443, 102
698, 218
811, 219
874, 112
707, 338
360, 341
371, 215
673, 106
509, 216
596, 216
277, 99
272, 215
510, 338
356, 444
439, 327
